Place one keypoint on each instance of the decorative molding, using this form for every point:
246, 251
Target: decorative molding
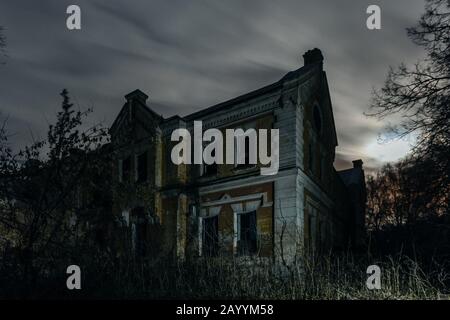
237, 207
252, 205
246, 182
227, 199
214, 211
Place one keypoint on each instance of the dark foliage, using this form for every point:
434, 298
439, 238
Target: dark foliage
408, 202
51, 193
421, 96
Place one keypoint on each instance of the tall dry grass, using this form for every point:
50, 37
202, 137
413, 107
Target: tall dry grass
330, 277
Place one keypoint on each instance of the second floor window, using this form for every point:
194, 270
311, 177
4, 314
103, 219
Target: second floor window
125, 169
250, 138
141, 170
209, 169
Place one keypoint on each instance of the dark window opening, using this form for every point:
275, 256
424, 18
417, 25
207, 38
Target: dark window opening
210, 236
247, 244
247, 163
142, 174
210, 169
310, 159
126, 169
140, 232
100, 237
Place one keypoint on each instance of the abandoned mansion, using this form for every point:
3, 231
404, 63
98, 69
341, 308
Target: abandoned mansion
231, 209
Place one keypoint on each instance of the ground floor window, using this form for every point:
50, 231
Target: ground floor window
246, 233
139, 231
210, 237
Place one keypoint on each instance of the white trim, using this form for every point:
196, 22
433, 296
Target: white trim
237, 207
250, 181
226, 199
252, 205
214, 211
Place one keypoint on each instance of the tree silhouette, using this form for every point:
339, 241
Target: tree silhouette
48, 188
421, 95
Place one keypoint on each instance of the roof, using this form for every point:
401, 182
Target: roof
351, 176
291, 75
144, 107
315, 58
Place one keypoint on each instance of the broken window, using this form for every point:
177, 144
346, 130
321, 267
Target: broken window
141, 172
210, 236
246, 233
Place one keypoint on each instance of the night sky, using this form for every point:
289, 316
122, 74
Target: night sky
188, 55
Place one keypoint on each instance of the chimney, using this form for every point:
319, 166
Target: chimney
137, 95
312, 56
357, 163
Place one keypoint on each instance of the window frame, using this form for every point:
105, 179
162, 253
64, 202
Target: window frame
138, 167
214, 247
240, 249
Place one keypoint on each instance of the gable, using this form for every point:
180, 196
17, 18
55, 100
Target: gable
134, 122
319, 98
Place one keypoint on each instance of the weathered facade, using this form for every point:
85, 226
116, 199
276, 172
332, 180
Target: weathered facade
233, 210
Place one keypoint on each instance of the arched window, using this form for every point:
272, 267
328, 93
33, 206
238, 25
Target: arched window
317, 118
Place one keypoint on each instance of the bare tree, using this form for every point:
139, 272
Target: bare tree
41, 187
421, 95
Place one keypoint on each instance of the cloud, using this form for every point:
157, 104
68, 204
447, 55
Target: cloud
188, 55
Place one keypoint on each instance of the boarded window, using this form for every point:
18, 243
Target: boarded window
247, 244
142, 172
210, 236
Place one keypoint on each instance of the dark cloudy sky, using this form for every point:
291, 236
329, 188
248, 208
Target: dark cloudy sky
187, 55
